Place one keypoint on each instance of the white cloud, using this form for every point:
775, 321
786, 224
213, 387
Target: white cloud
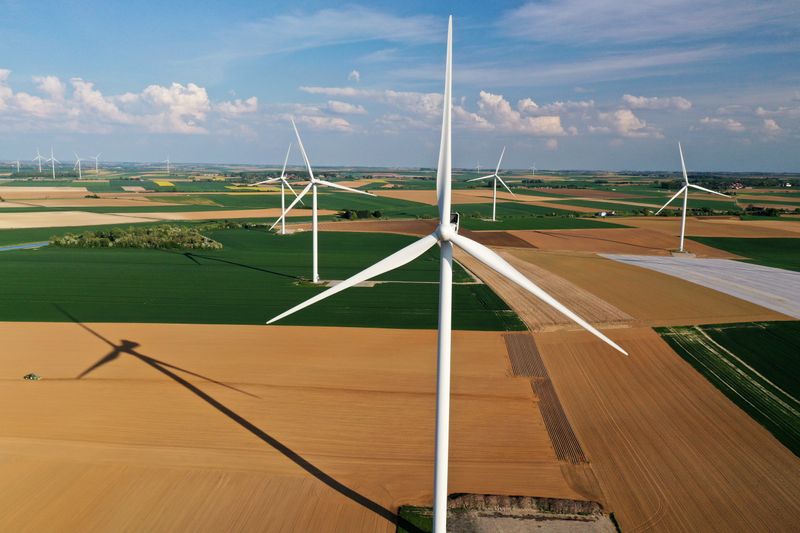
345, 108
51, 86
320, 122
500, 113
771, 127
657, 102
354, 76
238, 106
728, 124
625, 123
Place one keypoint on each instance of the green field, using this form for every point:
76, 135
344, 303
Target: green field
772, 252
535, 223
255, 277
755, 364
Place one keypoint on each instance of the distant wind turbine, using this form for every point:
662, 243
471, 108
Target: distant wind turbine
446, 235
284, 183
52, 160
78, 166
685, 191
533, 171
15, 163
313, 184
96, 164
39, 159
495, 178
167, 162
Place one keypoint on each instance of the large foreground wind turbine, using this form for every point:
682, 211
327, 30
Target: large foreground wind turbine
52, 160
39, 158
685, 191
78, 165
313, 184
495, 178
446, 235
284, 183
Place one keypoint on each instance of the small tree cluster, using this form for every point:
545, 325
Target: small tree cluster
356, 214
160, 237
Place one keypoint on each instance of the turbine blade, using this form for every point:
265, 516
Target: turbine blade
708, 190
305, 190
285, 181
499, 161
342, 187
271, 180
443, 172
481, 178
670, 200
504, 185
303, 151
683, 165
396, 260
500, 265
285, 161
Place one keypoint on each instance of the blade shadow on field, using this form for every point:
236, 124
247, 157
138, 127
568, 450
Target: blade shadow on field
194, 258
129, 347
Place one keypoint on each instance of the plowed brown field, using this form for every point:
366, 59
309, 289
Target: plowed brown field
460, 196
716, 227
298, 424
651, 298
671, 453
614, 240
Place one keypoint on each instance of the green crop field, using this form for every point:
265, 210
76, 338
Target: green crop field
755, 364
535, 223
255, 277
772, 252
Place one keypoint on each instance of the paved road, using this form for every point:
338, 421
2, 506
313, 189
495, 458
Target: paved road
773, 288
26, 246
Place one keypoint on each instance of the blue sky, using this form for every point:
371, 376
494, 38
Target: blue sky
567, 84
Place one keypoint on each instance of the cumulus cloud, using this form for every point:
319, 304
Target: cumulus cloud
728, 124
354, 76
625, 123
500, 113
771, 127
176, 108
657, 102
346, 108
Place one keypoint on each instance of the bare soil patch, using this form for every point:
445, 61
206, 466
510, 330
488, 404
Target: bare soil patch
716, 227
21, 193
129, 447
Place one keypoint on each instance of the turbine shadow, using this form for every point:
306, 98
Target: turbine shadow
193, 257
129, 347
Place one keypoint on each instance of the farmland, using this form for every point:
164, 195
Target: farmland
255, 276
753, 364
778, 253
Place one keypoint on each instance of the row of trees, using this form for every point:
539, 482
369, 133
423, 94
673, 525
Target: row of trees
167, 236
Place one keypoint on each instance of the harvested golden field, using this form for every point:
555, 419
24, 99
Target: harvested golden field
537, 314
670, 452
651, 298
471, 196
31, 193
210, 428
104, 201
716, 226
613, 240
56, 219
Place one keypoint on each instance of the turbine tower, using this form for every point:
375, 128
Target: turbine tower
533, 171
52, 160
446, 235
167, 162
313, 185
496, 177
96, 164
39, 159
685, 191
78, 166
284, 183
15, 163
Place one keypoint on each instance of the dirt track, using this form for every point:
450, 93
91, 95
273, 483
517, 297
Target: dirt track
129, 448
671, 453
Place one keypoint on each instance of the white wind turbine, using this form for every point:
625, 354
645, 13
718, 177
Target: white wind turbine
52, 160
685, 191
167, 162
313, 184
446, 235
533, 171
284, 183
78, 166
15, 163
495, 178
97, 163
39, 159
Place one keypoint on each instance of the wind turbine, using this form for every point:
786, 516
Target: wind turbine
78, 166
167, 162
533, 171
96, 163
284, 183
685, 191
495, 179
446, 235
52, 159
313, 185
15, 163
39, 159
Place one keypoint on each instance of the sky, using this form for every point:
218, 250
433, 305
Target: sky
563, 84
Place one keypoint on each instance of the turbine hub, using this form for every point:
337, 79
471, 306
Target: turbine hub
446, 232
